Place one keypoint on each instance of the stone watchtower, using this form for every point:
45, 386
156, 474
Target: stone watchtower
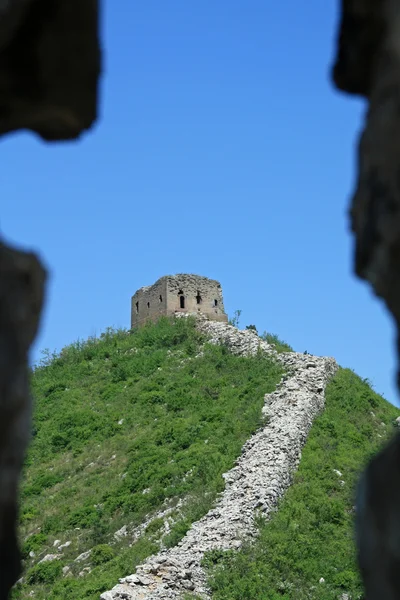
173, 294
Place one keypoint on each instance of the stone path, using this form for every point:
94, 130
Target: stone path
260, 477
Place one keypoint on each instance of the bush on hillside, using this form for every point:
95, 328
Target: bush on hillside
44, 572
278, 344
101, 554
33, 544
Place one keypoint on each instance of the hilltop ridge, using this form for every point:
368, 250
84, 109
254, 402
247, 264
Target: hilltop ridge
257, 481
157, 452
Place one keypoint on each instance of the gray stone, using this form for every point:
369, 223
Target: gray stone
54, 90
63, 546
121, 533
144, 580
50, 557
130, 579
22, 280
368, 64
49, 72
178, 294
84, 556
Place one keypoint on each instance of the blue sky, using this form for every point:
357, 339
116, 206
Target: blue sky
222, 149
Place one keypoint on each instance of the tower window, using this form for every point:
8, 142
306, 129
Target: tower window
181, 299
148, 305
198, 298
137, 307
215, 302
160, 298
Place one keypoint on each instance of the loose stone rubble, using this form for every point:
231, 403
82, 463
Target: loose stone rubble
135, 532
260, 477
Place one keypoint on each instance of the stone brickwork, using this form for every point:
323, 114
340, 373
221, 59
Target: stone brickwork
183, 293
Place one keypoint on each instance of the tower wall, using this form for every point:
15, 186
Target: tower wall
183, 293
149, 303
200, 294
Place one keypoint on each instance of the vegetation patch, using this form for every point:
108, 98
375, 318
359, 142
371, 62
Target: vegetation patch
274, 340
124, 426
310, 538
101, 554
45, 572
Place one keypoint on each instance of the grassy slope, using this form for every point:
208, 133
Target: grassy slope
312, 534
123, 425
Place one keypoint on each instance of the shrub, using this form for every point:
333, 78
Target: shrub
45, 572
101, 554
84, 517
213, 557
154, 526
28, 514
51, 524
278, 344
41, 482
178, 531
235, 319
33, 544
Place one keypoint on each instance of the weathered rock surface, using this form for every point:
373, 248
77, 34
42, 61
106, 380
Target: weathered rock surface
50, 64
368, 64
260, 477
22, 281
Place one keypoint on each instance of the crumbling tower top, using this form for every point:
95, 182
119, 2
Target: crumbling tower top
183, 293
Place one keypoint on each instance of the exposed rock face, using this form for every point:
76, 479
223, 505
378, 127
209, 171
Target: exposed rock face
49, 66
260, 477
378, 524
49, 72
368, 64
21, 295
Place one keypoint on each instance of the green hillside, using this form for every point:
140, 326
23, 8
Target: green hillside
130, 424
311, 536
126, 425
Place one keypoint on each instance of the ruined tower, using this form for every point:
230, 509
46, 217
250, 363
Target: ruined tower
183, 293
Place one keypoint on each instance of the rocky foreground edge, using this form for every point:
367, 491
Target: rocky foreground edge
259, 478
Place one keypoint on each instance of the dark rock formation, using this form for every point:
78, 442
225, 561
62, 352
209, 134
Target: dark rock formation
49, 72
378, 527
368, 64
49, 66
22, 281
